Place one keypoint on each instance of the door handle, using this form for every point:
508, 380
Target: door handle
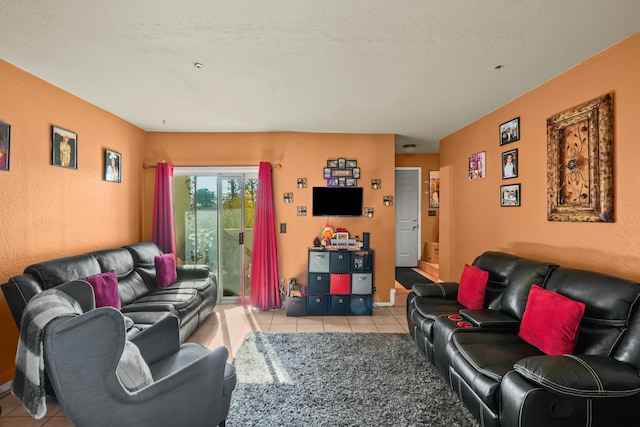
241, 238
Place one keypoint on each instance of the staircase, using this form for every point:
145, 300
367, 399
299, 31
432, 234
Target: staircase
428, 270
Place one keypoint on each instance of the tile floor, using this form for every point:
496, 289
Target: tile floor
228, 326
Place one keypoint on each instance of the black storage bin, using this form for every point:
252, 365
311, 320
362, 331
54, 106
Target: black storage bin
340, 262
339, 305
319, 284
296, 306
317, 305
361, 305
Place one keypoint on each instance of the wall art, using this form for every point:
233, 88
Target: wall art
64, 148
477, 166
510, 164
510, 131
580, 162
510, 195
5, 145
112, 166
434, 189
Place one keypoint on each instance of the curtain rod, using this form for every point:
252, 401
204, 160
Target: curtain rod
148, 166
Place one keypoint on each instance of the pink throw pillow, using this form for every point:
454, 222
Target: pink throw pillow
551, 321
473, 283
105, 288
166, 273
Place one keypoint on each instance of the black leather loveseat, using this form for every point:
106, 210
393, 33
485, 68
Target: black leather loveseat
505, 381
191, 298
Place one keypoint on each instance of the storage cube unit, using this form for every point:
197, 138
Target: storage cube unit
340, 282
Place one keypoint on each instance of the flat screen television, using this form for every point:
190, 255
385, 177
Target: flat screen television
337, 201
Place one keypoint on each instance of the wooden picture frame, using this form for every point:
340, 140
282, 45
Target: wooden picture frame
5, 145
112, 166
580, 162
510, 195
510, 131
64, 148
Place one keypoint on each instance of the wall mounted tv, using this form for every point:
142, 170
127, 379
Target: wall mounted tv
337, 201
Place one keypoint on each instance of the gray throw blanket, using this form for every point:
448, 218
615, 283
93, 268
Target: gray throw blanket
28, 383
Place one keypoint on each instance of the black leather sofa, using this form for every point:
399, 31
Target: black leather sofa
191, 298
505, 381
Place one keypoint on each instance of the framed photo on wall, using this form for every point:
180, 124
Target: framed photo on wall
64, 148
510, 131
477, 167
5, 143
434, 189
510, 164
112, 166
510, 195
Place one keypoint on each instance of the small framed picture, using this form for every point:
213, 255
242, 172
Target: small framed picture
302, 182
351, 182
351, 163
287, 197
510, 195
434, 189
302, 211
64, 148
327, 173
477, 167
510, 131
356, 173
5, 144
332, 163
112, 166
342, 163
332, 182
341, 236
510, 164
342, 182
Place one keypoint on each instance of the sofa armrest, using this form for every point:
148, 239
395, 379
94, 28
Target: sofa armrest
448, 290
485, 318
192, 272
159, 340
581, 375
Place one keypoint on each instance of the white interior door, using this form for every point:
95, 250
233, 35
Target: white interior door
407, 198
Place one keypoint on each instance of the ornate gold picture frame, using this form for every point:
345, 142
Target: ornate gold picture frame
580, 162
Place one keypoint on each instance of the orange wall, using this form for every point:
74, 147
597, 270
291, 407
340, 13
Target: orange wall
301, 155
49, 211
429, 224
472, 220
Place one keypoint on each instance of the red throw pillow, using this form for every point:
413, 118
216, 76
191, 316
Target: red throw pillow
166, 273
473, 283
105, 288
551, 321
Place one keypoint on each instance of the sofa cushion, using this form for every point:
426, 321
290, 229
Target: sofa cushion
473, 284
58, 271
165, 270
105, 288
551, 321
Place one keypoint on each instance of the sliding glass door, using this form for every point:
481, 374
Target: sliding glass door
214, 215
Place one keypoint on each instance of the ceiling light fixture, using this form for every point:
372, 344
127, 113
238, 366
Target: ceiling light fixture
498, 67
409, 148
198, 65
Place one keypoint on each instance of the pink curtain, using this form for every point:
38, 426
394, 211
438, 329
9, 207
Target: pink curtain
265, 292
164, 230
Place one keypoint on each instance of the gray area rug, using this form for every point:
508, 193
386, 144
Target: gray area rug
339, 379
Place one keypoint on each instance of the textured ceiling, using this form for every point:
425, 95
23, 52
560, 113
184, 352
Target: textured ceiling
418, 69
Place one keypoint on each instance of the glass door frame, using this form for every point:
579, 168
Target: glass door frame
241, 173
